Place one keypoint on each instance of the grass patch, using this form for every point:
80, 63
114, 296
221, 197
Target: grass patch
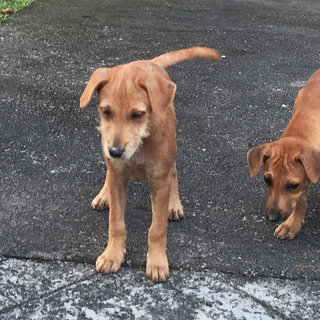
13, 4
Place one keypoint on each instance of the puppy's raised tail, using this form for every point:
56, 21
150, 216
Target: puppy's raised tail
173, 57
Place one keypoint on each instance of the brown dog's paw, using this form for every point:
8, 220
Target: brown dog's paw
287, 231
158, 273
157, 269
100, 202
107, 264
175, 211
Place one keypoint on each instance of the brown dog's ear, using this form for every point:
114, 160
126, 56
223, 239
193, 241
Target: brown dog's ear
310, 159
98, 77
160, 91
255, 158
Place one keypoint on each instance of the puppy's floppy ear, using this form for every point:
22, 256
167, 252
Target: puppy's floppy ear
255, 158
98, 77
160, 91
310, 159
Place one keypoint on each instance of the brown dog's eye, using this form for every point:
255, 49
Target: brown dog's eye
292, 187
137, 115
268, 181
107, 112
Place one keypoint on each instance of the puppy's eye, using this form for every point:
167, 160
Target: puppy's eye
268, 181
292, 186
107, 112
137, 115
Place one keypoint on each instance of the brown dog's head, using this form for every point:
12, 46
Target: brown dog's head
289, 167
131, 96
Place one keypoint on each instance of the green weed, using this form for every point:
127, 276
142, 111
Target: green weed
13, 4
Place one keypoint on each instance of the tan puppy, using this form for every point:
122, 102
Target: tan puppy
139, 142
292, 162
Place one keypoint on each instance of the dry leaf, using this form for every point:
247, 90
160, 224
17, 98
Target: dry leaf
7, 11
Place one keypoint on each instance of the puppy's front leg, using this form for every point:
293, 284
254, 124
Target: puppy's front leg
113, 256
292, 226
175, 206
101, 201
157, 261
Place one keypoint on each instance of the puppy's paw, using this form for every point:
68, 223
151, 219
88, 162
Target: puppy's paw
175, 211
157, 269
287, 231
100, 202
107, 264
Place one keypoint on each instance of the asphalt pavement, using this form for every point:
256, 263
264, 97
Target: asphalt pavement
225, 262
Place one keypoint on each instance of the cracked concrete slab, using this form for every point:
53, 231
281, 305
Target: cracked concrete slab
51, 164
66, 290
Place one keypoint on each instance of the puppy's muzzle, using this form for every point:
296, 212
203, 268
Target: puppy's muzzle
274, 213
116, 152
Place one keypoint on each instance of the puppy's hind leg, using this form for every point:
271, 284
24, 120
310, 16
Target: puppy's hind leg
175, 206
101, 201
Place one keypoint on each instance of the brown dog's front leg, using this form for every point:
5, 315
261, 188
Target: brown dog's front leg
292, 226
175, 206
113, 256
157, 261
101, 201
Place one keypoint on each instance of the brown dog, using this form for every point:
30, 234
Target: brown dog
292, 162
139, 142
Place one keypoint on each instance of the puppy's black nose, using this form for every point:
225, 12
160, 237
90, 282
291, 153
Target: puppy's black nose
116, 152
274, 217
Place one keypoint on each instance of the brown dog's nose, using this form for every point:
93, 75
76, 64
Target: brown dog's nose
274, 216
116, 152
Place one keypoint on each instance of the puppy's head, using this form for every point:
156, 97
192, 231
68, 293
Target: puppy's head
131, 98
289, 167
